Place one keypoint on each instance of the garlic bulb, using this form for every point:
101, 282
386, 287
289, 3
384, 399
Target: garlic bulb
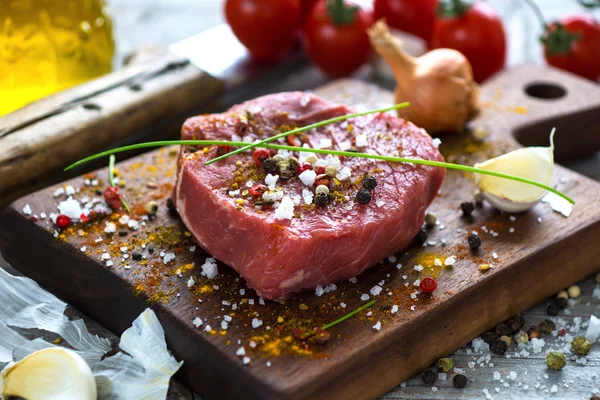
535, 163
438, 84
54, 373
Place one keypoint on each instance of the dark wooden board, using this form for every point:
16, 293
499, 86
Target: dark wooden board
535, 261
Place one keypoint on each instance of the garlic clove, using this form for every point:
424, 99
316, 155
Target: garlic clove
50, 374
535, 163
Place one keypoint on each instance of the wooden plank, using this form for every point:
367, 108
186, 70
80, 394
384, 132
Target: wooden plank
534, 262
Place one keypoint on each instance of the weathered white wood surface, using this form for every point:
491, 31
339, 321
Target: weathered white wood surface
162, 22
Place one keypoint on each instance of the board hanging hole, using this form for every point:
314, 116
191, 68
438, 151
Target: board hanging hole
545, 90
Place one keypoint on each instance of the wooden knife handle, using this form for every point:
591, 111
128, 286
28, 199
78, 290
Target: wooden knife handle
47, 135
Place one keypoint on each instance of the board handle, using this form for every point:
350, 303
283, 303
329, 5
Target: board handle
536, 99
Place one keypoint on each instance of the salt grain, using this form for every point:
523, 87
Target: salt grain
377, 326
376, 290
308, 177
364, 297
256, 323
27, 210
197, 322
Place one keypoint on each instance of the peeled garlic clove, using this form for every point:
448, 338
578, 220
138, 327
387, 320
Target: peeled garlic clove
49, 374
535, 163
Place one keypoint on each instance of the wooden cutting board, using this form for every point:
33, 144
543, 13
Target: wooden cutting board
539, 252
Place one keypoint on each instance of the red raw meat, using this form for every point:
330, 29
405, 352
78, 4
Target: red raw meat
319, 245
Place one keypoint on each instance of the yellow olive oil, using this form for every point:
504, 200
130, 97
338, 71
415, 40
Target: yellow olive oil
50, 45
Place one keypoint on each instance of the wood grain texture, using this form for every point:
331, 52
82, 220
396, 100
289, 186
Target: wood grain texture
41, 137
534, 262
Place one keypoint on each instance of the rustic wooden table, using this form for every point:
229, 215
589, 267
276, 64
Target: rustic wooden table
161, 22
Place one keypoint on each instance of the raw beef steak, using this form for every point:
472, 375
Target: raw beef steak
273, 229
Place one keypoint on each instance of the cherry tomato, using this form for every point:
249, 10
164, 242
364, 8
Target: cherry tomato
336, 39
266, 27
477, 32
412, 16
573, 44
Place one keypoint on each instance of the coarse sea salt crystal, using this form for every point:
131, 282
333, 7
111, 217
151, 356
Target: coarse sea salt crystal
380, 203
246, 360
418, 267
593, 330
207, 328
375, 290
71, 208
364, 297
513, 375
480, 345
197, 322
308, 177
27, 210
69, 190
353, 280
191, 282
256, 323
168, 258
436, 142
596, 293
377, 326
553, 389
271, 180
394, 309
497, 376
307, 195
343, 174
324, 143
285, 209
319, 290
240, 352
450, 261
361, 140
209, 268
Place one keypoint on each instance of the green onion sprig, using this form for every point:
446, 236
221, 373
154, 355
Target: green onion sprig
341, 319
324, 151
307, 128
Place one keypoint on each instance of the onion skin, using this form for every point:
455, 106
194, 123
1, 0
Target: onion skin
439, 84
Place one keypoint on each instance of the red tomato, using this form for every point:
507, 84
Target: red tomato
575, 48
416, 17
336, 39
265, 27
478, 33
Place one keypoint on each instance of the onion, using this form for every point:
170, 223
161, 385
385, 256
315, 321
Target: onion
438, 84
535, 163
50, 374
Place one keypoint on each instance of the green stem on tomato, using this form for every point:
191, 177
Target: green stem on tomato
307, 128
330, 152
341, 13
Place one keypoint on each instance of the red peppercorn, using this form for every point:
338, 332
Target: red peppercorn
112, 197
83, 217
322, 180
62, 221
428, 285
260, 155
33, 218
303, 167
320, 170
562, 332
257, 190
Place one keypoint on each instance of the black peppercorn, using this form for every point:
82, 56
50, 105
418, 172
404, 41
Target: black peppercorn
459, 381
516, 323
474, 241
170, 204
562, 303
269, 165
467, 208
429, 377
502, 330
552, 309
363, 196
421, 236
123, 233
321, 199
489, 337
150, 249
499, 347
369, 182
136, 255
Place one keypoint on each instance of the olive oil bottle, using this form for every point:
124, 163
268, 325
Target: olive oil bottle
50, 45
